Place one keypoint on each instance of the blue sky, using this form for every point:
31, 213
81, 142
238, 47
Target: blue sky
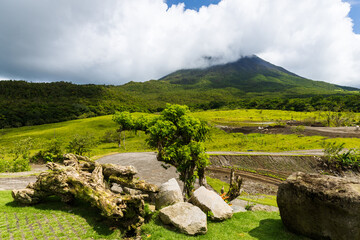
355, 14
196, 4
193, 4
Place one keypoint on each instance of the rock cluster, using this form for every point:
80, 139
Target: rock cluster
190, 217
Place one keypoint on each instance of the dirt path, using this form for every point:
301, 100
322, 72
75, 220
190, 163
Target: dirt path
331, 132
18, 180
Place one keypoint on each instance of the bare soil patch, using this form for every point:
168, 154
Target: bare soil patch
331, 132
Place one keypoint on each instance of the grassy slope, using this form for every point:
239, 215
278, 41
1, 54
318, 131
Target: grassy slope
220, 141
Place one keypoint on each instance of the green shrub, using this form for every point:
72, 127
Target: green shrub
53, 153
338, 158
22, 147
110, 136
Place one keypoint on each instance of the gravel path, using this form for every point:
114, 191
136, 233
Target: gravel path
148, 167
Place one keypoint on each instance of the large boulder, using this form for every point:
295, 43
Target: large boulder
186, 217
210, 201
169, 193
320, 207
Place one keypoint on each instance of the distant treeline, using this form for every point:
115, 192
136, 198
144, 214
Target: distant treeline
25, 104
335, 103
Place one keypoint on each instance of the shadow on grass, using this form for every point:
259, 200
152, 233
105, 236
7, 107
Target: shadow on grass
99, 224
269, 229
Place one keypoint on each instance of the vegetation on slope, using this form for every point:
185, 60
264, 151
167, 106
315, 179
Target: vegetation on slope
247, 83
102, 130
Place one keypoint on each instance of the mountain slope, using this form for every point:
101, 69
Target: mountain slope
249, 82
251, 75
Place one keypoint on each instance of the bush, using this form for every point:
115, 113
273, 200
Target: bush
338, 158
22, 148
53, 153
111, 136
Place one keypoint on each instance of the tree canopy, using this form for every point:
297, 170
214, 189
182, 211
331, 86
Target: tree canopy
178, 138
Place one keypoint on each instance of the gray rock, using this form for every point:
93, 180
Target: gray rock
132, 191
238, 205
266, 208
169, 193
210, 201
186, 217
320, 207
116, 188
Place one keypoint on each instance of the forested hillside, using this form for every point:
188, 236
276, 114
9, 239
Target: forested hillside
247, 83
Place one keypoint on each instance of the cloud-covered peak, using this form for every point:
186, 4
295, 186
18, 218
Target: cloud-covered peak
113, 42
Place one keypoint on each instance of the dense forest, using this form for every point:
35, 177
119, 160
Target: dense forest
24, 104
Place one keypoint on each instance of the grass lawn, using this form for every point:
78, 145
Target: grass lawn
245, 225
55, 219
52, 220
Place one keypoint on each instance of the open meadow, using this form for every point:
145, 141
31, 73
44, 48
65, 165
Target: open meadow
105, 139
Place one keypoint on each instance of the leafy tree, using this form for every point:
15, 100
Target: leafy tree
178, 138
125, 121
81, 144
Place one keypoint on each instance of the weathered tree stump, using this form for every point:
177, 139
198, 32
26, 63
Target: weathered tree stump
235, 186
83, 179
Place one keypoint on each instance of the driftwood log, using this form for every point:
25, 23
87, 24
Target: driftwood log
80, 178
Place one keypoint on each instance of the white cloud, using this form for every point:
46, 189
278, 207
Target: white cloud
113, 42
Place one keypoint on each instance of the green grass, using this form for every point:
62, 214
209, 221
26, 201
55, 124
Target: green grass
246, 117
219, 141
52, 219
260, 199
245, 225
222, 141
264, 199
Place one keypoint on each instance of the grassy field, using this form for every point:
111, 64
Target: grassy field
56, 220
97, 127
246, 117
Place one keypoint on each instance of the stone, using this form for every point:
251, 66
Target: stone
320, 207
266, 208
238, 205
116, 188
210, 201
186, 217
169, 193
131, 191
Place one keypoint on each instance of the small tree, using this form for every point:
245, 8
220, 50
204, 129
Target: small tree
178, 138
126, 122
81, 144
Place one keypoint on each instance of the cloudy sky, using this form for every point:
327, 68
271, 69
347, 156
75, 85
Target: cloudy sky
117, 41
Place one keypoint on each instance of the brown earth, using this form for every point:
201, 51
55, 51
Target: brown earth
330, 132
